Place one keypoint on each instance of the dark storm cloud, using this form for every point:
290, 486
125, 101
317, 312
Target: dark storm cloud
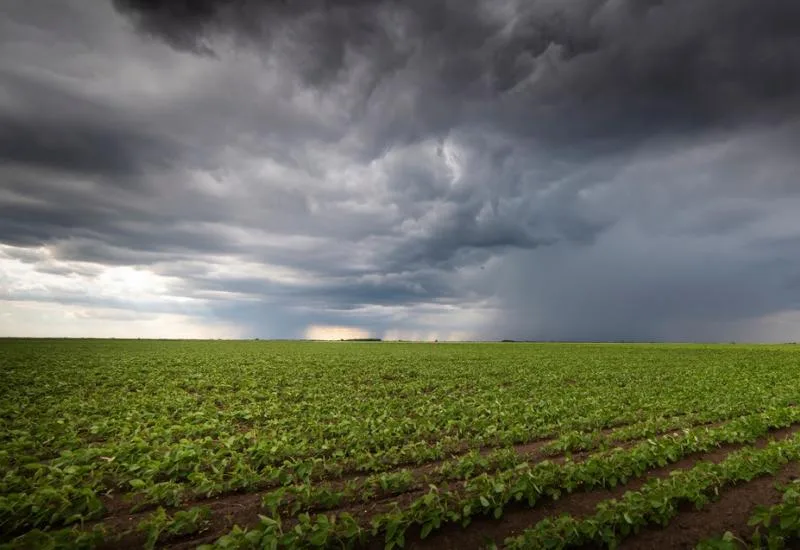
572, 70
52, 127
112, 227
340, 293
56, 145
684, 290
547, 169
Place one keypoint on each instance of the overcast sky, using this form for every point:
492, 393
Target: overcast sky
451, 169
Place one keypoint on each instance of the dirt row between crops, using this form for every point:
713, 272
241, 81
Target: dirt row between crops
243, 509
120, 508
715, 519
729, 513
123, 505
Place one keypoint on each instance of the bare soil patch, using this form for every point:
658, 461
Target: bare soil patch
729, 513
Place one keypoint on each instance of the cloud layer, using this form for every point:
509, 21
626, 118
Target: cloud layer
546, 170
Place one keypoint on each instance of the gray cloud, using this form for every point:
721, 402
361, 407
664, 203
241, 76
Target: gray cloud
638, 64
579, 169
58, 129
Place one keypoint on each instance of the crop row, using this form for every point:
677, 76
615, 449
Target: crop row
657, 501
775, 527
167, 404
90, 424
66, 490
578, 441
68, 504
215, 458
155, 528
491, 494
308, 496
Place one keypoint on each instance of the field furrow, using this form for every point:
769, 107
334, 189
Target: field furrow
128, 444
548, 480
578, 505
730, 512
659, 500
361, 495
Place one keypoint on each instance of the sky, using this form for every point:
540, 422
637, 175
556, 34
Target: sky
415, 169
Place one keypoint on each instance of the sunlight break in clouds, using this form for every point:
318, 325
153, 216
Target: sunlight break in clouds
324, 332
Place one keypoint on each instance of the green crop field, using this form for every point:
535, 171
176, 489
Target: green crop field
131, 444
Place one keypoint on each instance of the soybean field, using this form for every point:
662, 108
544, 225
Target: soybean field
257, 444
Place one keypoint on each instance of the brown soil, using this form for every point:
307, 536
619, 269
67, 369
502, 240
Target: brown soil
243, 509
518, 518
580, 504
125, 504
729, 513
227, 511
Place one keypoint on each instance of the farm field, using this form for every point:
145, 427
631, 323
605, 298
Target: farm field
221, 444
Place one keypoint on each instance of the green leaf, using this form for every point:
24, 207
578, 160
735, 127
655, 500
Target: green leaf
426, 529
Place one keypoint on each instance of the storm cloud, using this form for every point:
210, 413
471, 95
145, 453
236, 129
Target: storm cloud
591, 170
